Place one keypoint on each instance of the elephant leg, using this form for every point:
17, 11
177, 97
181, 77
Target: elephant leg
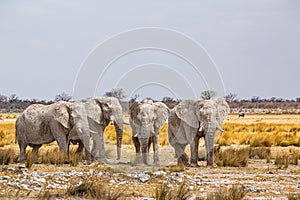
79, 150
22, 152
144, 145
61, 137
155, 149
194, 152
209, 145
34, 153
137, 146
182, 157
98, 146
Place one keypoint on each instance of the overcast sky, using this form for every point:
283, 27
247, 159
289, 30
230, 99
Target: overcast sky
255, 44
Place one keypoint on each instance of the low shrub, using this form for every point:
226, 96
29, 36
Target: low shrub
231, 157
236, 192
164, 192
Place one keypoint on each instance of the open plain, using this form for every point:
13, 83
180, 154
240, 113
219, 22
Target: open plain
261, 163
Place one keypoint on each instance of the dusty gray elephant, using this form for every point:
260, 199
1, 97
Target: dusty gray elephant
192, 119
100, 112
42, 124
146, 119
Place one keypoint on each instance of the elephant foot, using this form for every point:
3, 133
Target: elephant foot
22, 161
194, 164
156, 163
104, 160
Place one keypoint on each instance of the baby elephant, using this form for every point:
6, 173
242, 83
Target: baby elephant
146, 119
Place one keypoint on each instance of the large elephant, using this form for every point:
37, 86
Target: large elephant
42, 124
100, 112
192, 119
146, 119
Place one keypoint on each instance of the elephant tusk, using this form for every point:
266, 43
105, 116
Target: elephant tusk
219, 128
111, 122
201, 129
93, 132
135, 135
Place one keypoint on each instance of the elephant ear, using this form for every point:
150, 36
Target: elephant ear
186, 111
134, 110
62, 114
162, 113
222, 110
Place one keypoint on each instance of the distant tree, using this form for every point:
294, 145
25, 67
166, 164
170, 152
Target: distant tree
231, 97
298, 99
62, 97
255, 99
118, 93
3, 98
207, 94
13, 98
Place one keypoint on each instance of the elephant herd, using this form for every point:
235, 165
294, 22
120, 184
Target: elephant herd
77, 122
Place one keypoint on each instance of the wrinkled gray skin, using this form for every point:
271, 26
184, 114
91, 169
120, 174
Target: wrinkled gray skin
100, 112
146, 119
192, 119
42, 124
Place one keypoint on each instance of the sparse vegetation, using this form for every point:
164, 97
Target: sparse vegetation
166, 192
91, 188
232, 157
235, 192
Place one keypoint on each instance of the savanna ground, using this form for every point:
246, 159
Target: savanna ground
257, 158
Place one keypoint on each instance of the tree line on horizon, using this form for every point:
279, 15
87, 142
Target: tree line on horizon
13, 103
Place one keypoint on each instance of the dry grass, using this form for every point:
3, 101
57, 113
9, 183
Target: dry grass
7, 133
260, 134
165, 192
232, 157
92, 188
236, 192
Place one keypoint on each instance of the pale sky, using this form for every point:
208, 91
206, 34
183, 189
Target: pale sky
255, 44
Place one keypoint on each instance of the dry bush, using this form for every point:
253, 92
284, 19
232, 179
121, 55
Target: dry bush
236, 192
8, 156
232, 157
90, 188
164, 192
261, 141
293, 196
260, 152
282, 161
53, 156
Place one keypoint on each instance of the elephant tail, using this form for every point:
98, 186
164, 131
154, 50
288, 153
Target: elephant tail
16, 129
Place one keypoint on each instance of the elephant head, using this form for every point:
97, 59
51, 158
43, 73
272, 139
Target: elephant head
148, 117
104, 111
206, 116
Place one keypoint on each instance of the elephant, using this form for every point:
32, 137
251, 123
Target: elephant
41, 124
192, 119
100, 112
146, 119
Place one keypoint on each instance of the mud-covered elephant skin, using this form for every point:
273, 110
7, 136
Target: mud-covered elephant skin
42, 124
101, 111
192, 119
146, 119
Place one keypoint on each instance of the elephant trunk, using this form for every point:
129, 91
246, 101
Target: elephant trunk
145, 149
209, 143
119, 135
85, 139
